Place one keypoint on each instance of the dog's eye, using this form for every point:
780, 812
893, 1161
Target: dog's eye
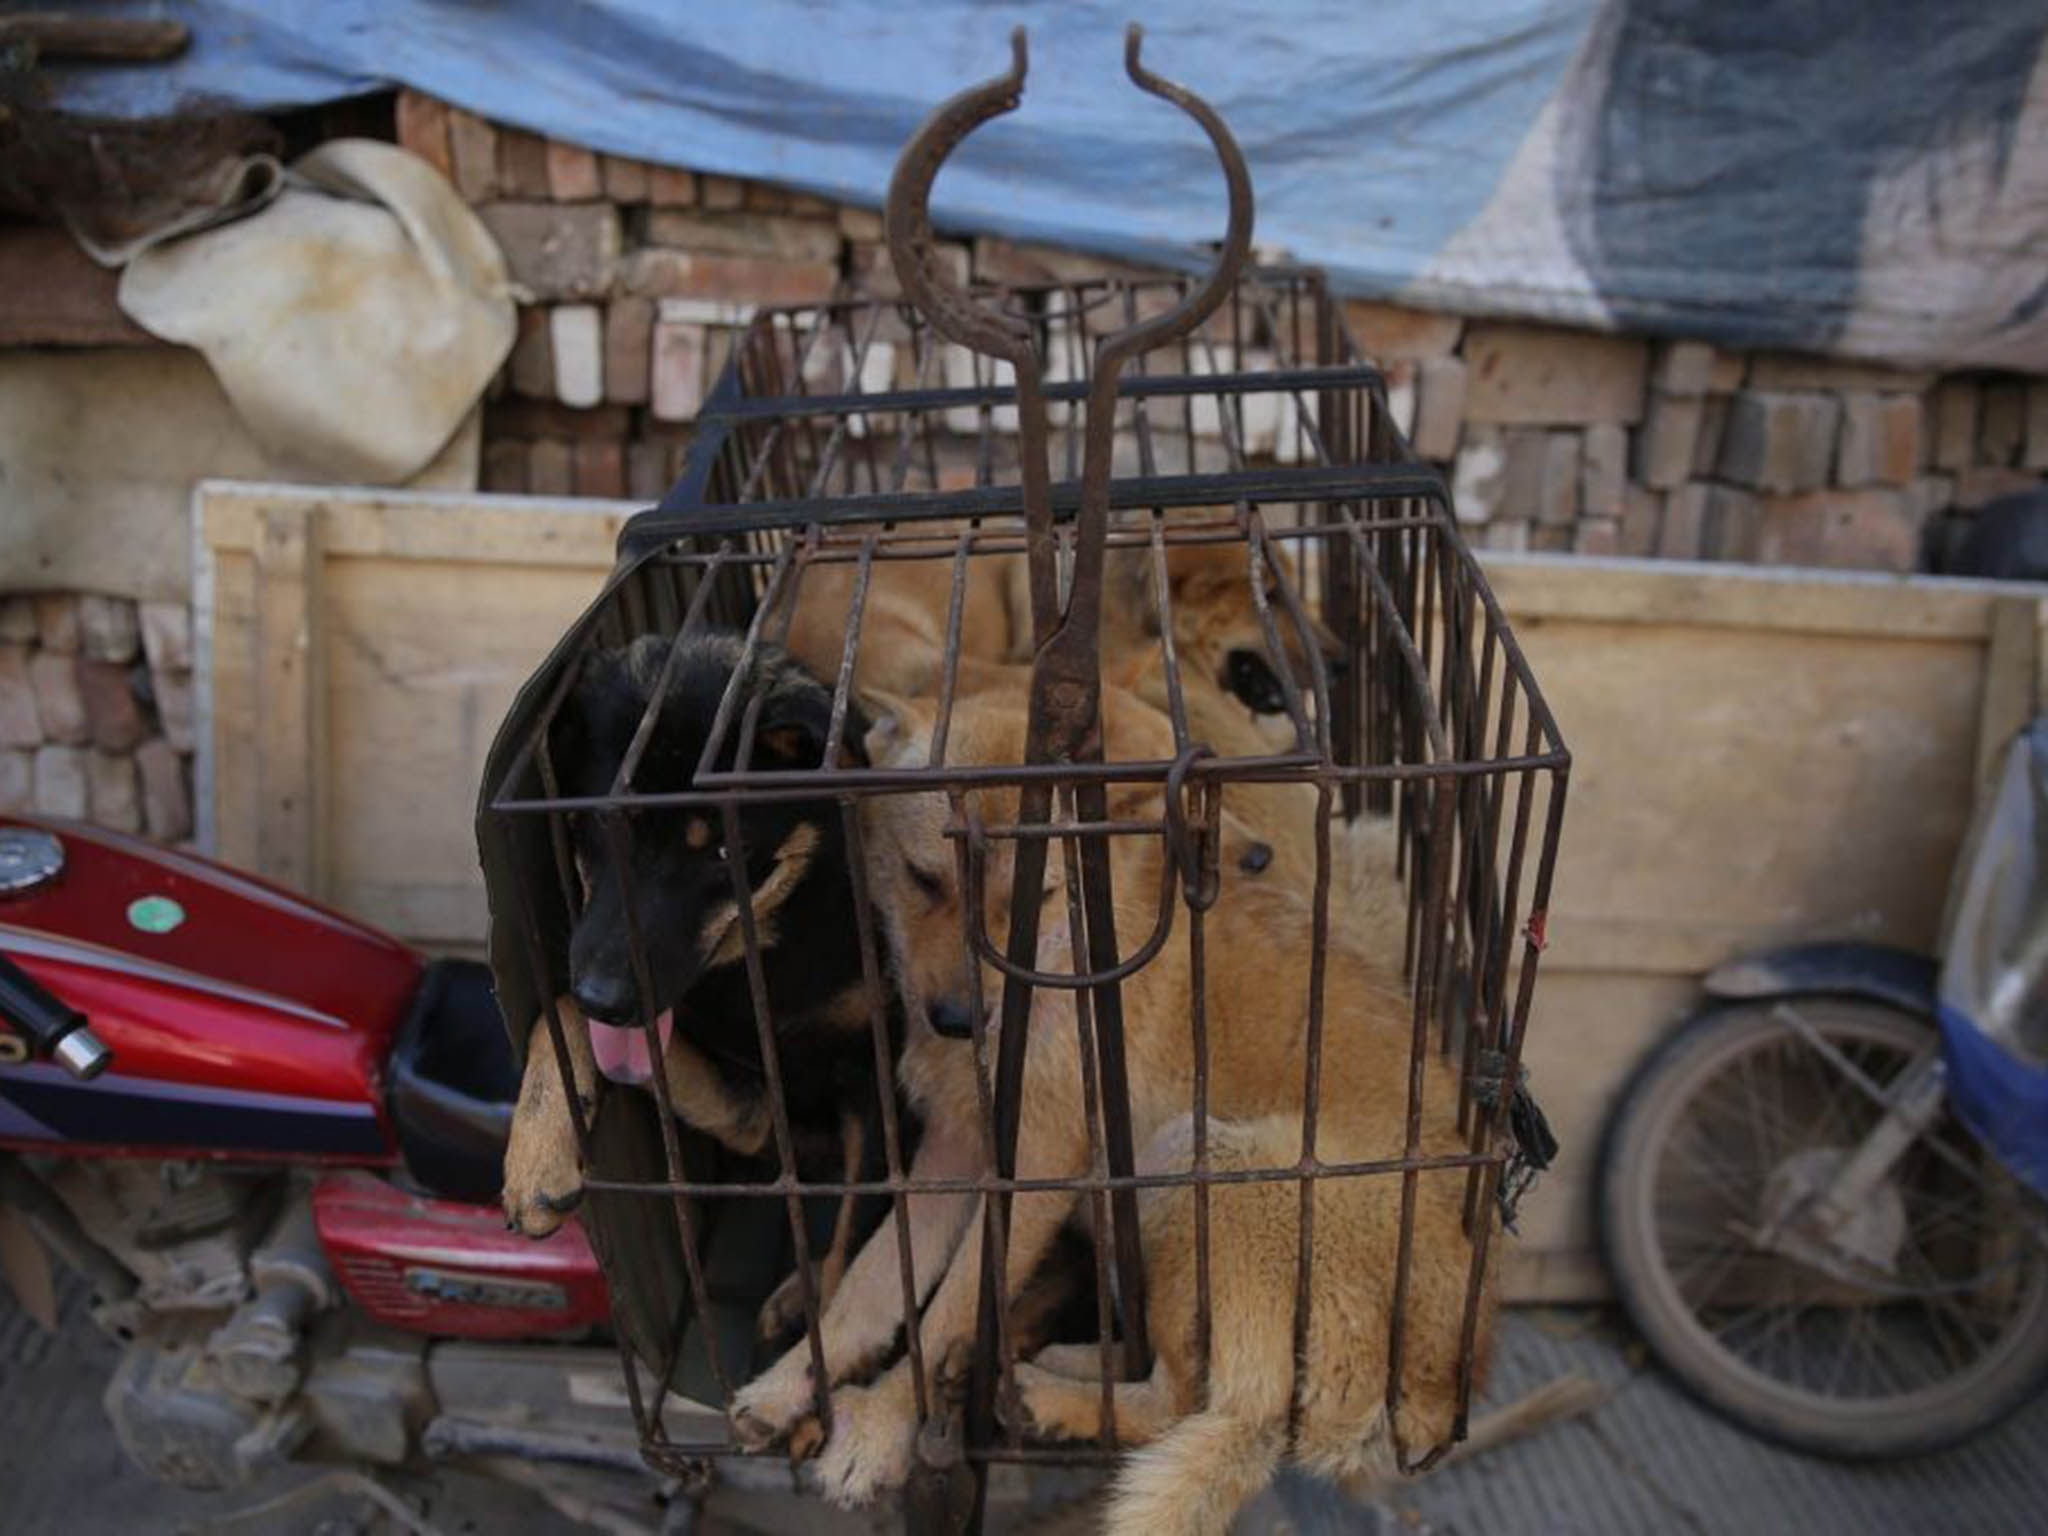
927, 882
1254, 683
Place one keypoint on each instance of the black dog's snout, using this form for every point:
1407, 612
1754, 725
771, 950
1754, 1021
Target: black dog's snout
605, 996
952, 1018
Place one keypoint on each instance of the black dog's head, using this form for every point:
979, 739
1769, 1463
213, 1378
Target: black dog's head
674, 888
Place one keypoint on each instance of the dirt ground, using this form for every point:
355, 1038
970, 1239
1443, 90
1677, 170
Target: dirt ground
1647, 1459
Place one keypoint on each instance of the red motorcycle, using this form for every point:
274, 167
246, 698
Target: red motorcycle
269, 1138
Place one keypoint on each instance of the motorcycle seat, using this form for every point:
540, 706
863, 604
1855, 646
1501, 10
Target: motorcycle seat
453, 1082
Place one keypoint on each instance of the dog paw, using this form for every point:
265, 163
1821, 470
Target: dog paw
782, 1314
954, 1366
543, 1176
873, 1444
538, 1203
1019, 1409
807, 1439
767, 1409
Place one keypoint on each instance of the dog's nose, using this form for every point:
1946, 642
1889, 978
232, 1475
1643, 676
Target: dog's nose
952, 1018
604, 996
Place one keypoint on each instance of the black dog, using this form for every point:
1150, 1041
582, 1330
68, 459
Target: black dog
675, 897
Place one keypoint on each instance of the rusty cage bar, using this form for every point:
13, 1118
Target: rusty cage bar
846, 440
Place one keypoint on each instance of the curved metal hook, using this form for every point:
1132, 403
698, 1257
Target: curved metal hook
1237, 235
992, 331
908, 220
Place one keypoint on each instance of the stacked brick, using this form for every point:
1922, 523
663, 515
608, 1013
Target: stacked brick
1611, 445
633, 279
96, 712
635, 275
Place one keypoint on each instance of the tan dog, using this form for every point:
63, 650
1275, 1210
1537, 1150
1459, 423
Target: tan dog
1257, 1008
903, 623
1235, 698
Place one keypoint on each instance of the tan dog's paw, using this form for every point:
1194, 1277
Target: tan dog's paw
954, 1367
783, 1312
543, 1173
768, 1408
1032, 1410
874, 1440
536, 1213
543, 1182
807, 1439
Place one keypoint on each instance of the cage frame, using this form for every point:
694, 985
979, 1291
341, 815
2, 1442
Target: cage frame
1405, 591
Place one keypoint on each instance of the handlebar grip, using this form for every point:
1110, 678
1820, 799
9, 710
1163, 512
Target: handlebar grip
56, 1029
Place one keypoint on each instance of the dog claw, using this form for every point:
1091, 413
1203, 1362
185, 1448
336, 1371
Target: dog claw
780, 1312
1013, 1412
806, 1440
955, 1366
751, 1431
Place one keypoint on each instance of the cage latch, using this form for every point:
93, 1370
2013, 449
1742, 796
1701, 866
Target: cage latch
1534, 1144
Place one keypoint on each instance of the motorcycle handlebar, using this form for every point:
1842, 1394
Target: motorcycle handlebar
55, 1028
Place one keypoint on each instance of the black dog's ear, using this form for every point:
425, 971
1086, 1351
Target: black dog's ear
589, 712
792, 729
794, 726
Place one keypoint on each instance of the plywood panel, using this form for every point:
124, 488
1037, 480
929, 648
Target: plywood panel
1736, 786
413, 703
1588, 1030
360, 650
1758, 756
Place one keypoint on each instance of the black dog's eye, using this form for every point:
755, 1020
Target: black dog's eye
1254, 683
932, 886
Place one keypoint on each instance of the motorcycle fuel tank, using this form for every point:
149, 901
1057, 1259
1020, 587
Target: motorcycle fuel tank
245, 1020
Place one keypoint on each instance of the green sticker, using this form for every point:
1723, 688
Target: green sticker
155, 914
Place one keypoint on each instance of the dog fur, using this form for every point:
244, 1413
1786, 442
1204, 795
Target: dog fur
1230, 691
1235, 698
1256, 1008
903, 622
680, 894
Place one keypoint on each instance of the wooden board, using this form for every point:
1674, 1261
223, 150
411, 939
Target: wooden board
359, 650
1759, 756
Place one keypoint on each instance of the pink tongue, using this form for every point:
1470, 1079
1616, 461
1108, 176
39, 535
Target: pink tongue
620, 1050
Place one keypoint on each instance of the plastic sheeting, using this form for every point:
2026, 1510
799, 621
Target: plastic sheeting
1868, 176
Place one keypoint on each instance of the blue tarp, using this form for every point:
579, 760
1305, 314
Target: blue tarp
1859, 175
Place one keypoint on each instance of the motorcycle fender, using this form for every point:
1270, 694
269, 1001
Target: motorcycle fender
1879, 973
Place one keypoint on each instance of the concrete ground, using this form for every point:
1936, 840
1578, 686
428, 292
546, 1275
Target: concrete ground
1645, 1460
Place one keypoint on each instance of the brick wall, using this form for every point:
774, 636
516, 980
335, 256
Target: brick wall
96, 712
1556, 439
636, 275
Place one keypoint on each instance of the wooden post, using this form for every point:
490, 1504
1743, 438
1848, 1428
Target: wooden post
291, 699
2011, 666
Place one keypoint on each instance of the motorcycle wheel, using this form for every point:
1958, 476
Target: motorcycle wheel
1934, 1328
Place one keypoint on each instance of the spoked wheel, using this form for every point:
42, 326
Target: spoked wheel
1917, 1321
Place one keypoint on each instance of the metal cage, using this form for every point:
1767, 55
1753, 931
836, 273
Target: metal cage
864, 433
